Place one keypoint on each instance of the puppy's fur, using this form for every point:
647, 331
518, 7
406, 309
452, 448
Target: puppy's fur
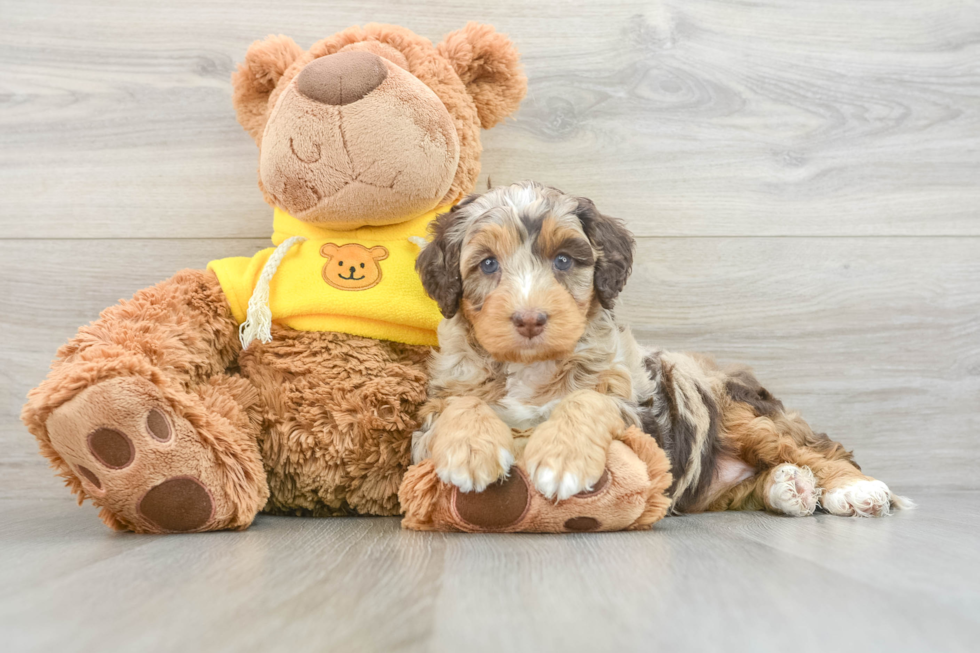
527, 277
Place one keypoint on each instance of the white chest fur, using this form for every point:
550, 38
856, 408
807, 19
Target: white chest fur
517, 408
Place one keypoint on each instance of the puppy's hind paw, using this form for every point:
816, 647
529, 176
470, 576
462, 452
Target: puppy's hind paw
793, 491
863, 498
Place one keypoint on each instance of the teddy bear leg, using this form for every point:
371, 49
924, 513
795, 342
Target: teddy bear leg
157, 460
140, 415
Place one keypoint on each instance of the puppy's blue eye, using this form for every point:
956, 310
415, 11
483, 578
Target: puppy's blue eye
489, 265
562, 262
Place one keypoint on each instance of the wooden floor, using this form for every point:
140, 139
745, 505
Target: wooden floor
732, 582
804, 181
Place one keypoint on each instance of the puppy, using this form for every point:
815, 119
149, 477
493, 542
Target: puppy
526, 277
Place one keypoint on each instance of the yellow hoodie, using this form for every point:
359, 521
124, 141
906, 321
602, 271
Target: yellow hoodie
361, 282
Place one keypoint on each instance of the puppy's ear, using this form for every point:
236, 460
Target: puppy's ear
488, 63
615, 244
438, 263
256, 78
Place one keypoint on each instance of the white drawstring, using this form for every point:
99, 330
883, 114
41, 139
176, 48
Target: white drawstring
258, 318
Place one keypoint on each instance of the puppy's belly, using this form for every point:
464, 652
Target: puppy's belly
522, 416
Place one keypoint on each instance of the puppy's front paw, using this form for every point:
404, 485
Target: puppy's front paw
562, 466
471, 446
472, 469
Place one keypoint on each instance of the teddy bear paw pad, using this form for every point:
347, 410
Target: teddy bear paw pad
158, 425
598, 487
90, 476
582, 524
136, 457
500, 506
112, 448
178, 504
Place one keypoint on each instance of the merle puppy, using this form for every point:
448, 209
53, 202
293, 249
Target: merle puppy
526, 277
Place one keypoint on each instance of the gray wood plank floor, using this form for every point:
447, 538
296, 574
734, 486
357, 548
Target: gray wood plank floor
733, 582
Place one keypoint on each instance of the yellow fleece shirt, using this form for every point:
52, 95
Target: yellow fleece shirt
362, 282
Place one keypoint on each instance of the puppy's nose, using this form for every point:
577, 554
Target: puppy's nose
529, 323
341, 78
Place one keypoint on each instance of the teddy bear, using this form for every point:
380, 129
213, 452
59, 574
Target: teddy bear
289, 381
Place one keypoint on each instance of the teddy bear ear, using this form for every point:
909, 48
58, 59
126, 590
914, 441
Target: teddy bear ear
256, 78
489, 65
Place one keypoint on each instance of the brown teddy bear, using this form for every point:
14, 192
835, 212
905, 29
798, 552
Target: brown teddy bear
159, 415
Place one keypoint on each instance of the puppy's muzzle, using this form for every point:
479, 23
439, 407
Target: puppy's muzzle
529, 323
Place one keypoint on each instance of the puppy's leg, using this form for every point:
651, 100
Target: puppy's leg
470, 445
794, 456
784, 489
567, 454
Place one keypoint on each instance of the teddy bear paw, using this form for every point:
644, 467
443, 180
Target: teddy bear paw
137, 458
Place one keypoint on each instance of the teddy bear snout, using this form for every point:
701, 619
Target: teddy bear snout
341, 78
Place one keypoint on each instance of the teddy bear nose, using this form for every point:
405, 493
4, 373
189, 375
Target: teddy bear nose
341, 78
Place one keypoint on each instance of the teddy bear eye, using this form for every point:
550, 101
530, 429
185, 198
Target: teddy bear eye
489, 265
340, 264
362, 266
563, 262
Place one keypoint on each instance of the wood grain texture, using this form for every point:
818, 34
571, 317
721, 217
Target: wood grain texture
732, 582
688, 117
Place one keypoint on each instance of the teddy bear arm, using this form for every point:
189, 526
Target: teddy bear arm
630, 495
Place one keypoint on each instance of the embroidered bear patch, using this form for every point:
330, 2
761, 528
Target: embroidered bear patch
352, 266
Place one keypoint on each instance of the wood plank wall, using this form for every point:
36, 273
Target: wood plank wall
803, 178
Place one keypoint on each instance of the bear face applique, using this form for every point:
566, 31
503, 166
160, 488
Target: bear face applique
352, 266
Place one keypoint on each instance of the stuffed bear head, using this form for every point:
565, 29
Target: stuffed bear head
374, 125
